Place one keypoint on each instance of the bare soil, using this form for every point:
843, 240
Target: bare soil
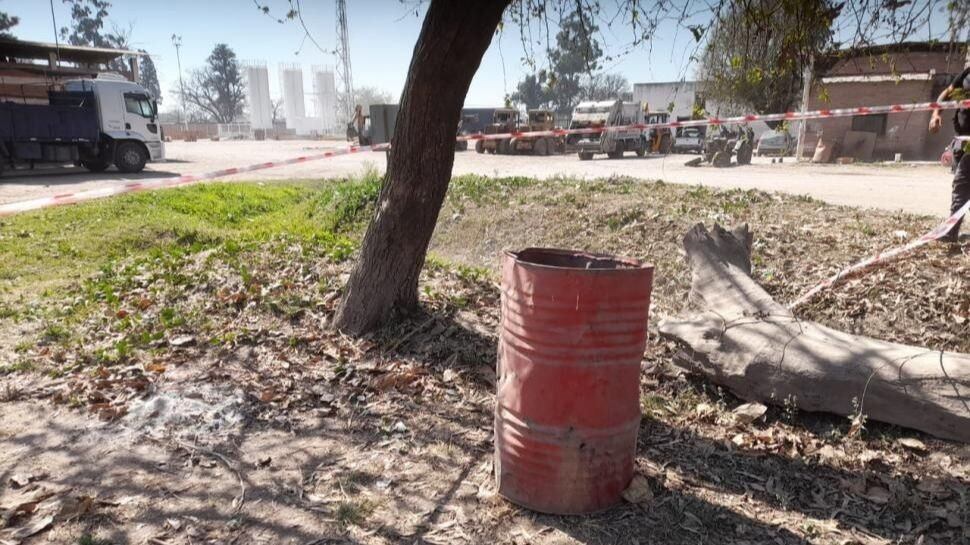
247, 420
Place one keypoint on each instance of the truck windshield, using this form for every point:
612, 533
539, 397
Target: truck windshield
139, 105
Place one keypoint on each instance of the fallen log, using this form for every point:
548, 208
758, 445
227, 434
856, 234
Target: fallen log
744, 340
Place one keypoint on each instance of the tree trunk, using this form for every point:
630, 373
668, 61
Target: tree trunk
453, 39
744, 340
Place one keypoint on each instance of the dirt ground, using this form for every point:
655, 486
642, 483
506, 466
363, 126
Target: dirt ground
248, 421
913, 187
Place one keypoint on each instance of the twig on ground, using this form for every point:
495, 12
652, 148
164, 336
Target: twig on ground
238, 501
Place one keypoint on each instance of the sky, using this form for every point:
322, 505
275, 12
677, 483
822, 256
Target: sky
382, 36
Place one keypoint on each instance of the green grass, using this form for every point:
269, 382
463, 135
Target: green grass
48, 248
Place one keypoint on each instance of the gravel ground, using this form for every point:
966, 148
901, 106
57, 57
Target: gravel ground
920, 188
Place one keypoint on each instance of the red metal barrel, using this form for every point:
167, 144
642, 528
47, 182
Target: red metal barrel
574, 326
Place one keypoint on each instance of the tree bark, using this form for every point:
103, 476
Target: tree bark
453, 39
744, 340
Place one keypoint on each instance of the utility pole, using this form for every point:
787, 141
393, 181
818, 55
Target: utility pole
177, 42
343, 62
806, 94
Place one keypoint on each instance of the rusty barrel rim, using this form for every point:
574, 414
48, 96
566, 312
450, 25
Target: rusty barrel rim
558, 259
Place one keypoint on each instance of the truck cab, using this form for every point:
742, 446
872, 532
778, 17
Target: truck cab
616, 137
128, 117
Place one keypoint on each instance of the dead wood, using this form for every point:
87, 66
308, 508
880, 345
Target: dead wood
743, 339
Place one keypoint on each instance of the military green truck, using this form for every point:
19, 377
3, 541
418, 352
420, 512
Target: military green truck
538, 120
504, 120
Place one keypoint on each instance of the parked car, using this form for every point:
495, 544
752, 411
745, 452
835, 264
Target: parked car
689, 140
778, 143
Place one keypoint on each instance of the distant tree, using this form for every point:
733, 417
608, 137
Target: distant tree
148, 76
88, 19
574, 58
6, 23
754, 61
605, 87
217, 89
371, 95
577, 54
531, 91
277, 110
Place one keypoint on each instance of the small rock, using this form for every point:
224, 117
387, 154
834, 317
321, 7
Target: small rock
399, 427
878, 494
639, 490
749, 412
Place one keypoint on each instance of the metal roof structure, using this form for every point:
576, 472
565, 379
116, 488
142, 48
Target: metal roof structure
20, 49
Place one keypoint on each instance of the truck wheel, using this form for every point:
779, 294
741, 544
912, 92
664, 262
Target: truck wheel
585, 156
542, 147
96, 165
130, 157
480, 146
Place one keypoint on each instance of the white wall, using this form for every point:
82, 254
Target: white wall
659, 96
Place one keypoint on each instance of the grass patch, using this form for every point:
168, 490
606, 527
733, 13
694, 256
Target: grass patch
354, 512
48, 248
19, 366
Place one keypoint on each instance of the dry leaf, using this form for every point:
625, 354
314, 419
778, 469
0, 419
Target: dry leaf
182, 340
912, 444
704, 410
20, 480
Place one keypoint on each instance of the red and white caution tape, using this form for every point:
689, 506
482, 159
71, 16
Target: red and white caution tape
739, 120
131, 187
883, 257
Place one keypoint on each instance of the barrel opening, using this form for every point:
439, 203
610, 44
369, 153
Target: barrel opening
569, 259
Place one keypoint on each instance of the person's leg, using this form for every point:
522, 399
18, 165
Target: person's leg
961, 192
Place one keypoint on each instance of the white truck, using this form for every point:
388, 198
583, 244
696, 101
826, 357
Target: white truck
611, 116
94, 123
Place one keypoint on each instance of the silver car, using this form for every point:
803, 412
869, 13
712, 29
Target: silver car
777, 143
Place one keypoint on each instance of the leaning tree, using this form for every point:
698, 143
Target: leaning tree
453, 38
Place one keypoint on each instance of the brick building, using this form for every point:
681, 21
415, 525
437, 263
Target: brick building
901, 73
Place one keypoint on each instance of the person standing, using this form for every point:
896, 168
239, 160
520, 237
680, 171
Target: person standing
959, 89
